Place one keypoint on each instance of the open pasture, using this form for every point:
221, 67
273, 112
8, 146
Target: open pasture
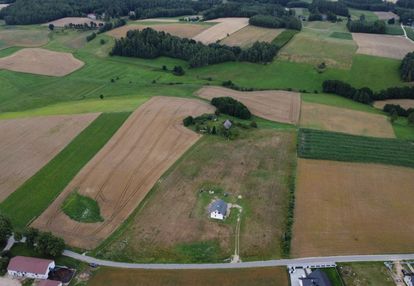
272, 276
404, 103
124, 171
394, 47
22, 37
324, 117
349, 208
182, 30
27, 145
41, 62
280, 106
224, 28
247, 36
258, 166
72, 20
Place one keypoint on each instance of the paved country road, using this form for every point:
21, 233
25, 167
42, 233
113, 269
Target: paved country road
255, 264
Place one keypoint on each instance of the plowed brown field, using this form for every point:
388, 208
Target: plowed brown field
26, 145
41, 61
276, 105
124, 171
324, 117
349, 208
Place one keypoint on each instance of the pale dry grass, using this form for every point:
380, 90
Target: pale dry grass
404, 103
349, 121
74, 20
224, 28
348, 208
251, 34
23, 38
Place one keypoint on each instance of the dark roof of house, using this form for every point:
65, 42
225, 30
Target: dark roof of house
29, 264
218, 205
316, 278
49, 283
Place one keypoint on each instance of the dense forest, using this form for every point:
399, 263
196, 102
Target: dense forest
267, 21
370, 5
362, 26
151, 44
325, 7
407, 67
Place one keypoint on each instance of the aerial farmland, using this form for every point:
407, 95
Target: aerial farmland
207, 142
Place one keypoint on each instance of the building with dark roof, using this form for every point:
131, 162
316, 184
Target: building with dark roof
218, 209
316, 278
21, 266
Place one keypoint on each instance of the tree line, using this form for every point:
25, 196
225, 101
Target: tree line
232, 107
369, 5
325, 7
267, 21
151, 44
362, 26
400, 111
407, 67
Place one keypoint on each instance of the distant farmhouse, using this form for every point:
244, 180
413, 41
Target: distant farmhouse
29, 267
316, 278
218, 209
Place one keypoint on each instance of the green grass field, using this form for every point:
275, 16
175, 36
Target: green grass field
341, 35
403, 130
35, 195
365, 273
369, 15
334, 146
81, 208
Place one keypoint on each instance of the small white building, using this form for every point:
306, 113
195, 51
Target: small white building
218, 209
91, 16
409, 280
30, 267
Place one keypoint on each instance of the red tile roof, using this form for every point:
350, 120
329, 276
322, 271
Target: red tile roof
49, 283
29, 264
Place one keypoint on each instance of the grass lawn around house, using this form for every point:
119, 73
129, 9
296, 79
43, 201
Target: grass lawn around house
365, 273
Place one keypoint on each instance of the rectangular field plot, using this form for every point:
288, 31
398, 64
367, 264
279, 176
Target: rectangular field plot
251, 34
124, 171
314, 144
224, 28
349, 208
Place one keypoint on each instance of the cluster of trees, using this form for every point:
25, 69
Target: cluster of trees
91, 26
112, 25
370, 5
407, 67
268, 21
298, 4
408, 4
160, 12
45, 243
152, 44
400, 111
319, 17
363, 95
232, 107
362, 26
325, 7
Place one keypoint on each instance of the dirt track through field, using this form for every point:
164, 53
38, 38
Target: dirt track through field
225, 27
124, 171
324, 117
404, 103
394, 47
74, 20
42, 62
275, 105
26, 145
349, 208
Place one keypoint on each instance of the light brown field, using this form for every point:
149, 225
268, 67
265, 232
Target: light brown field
320, 116
404, 103
179, 30
348, 208
26, 145
41, 61
21, 37
74, 20
276, 105
123, 172
224, 28
272, 276
395, 47
251, 34
167, 20
386, 15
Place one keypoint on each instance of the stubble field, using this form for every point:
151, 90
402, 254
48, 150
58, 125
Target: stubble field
223, 28
249, 35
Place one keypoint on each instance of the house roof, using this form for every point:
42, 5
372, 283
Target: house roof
218, 205
49, 283
316, 278
29, 264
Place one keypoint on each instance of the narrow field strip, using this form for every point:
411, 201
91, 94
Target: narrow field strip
37, 193
314, 144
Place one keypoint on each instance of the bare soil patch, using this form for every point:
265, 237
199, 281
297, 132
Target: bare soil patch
26, 145
42, 62
224, 28
124, 171
21, 37
349, 121
404, 103
251, 34
387, 46
386, 15
74, 20
179, 30
349, 208
276, 105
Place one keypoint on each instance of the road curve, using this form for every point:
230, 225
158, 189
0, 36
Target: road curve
255, 264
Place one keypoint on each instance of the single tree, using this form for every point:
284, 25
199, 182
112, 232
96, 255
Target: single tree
51, 27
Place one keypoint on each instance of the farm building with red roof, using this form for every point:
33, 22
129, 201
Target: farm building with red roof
21, 266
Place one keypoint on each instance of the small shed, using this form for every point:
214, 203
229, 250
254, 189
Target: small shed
218, 209
227, 124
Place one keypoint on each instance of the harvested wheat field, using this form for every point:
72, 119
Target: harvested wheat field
42, 62
404, 103
386, 15
387, 46
349, 208
251, 34
124, 171
275, 105
224, 28
179, 30
26, 145
73, 20
324, 117
21, 37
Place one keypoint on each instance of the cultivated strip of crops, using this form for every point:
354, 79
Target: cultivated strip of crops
315, 144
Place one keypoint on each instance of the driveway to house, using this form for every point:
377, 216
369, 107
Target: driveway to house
255, 264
